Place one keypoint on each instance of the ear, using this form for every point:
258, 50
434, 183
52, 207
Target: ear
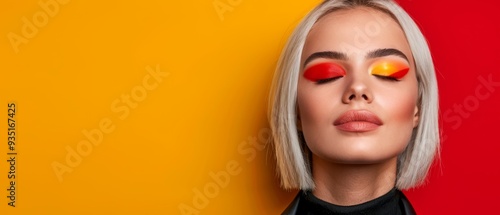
416, 117
298, 122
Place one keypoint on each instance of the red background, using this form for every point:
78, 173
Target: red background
464, 41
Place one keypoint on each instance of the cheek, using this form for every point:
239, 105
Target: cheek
399, 113
400, 110
313, 111
315, 104
308, 109
403, 108
317, 107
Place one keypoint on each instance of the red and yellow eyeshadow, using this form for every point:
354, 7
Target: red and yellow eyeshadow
389, 68
324, 71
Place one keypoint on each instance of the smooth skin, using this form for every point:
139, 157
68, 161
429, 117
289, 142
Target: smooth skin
350, 168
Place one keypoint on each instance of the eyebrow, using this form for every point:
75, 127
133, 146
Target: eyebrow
386, 52
343, 56
326, 54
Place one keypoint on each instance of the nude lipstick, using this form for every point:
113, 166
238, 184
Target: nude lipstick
357, 121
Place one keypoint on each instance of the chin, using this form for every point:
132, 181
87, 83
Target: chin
362, 160
368, 155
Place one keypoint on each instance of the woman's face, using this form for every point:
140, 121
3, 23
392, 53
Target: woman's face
357, 88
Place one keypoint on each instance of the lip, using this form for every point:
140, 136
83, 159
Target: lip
357, 121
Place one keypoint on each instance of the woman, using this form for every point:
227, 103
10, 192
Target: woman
354, 109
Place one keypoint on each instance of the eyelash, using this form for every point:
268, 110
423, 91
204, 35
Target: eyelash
387, 78
324, 81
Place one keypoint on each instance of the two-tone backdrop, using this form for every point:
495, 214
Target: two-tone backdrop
159, 107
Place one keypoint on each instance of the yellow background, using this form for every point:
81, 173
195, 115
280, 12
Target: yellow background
208, 116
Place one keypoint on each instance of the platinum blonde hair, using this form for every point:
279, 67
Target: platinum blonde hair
292, 155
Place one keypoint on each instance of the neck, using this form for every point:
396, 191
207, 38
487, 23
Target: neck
352, 184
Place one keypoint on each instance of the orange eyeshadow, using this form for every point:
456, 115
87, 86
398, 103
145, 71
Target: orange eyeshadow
388, 68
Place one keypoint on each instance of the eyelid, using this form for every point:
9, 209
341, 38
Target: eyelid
389, 68
322, 71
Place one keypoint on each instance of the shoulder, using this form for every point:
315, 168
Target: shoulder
406, 205
294, 205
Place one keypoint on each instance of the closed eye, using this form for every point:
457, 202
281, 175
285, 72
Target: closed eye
387, 78
324, 81
324, 72
391, 70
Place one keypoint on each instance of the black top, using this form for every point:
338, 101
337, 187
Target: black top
393, 202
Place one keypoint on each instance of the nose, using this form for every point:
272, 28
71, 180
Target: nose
357, 90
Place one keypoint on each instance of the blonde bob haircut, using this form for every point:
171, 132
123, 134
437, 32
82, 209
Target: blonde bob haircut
292, 154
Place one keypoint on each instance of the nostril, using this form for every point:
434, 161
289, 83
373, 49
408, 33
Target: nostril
353, 96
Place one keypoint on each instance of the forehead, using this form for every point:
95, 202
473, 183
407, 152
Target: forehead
355, 32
